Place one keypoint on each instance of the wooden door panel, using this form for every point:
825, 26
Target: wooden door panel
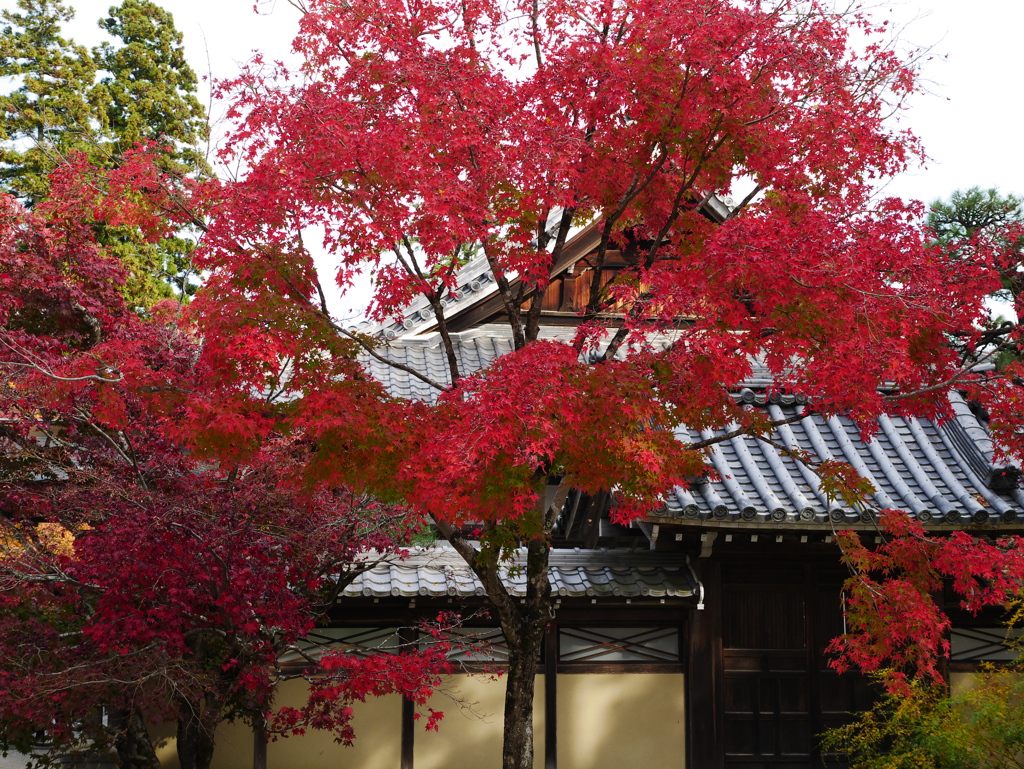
778, 693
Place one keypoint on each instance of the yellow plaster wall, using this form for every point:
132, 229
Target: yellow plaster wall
962, 682
378, 742
470, 735
616, 721
604, 722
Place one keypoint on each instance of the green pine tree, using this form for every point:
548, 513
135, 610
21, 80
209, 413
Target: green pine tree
48, 113
148, 90
136, 88
976, 212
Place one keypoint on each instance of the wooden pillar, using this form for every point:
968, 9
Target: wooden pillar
408, 636
259, 747
408, 724
703, 672
551, 697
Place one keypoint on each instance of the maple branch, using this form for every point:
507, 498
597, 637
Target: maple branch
514, 311
636, 189
28, 356
622, 332
745, 202
57, 377
484, 563
341, 580
87, 418
460, 543
580, 17
92, 663
322, 313
281, 381
740, 431
38, 423
369, 350
323, 297
957, 377
633, 189
553, 510
537, 302
636, 310
446, 338
126, 437
433, 297
95, 327
535, 30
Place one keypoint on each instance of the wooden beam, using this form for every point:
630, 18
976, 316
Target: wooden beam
259, 747
408, 636
703, 663
591, 524
551, 696
575, 249
408, 724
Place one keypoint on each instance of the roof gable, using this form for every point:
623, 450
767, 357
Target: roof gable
476, 300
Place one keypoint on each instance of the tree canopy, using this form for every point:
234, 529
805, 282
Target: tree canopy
417, 136
136, 575
64, 100
420, 136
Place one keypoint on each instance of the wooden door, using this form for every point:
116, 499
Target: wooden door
777, 692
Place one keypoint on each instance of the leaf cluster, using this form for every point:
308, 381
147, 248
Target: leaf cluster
135, 573
64, 100
927, 727
894, 622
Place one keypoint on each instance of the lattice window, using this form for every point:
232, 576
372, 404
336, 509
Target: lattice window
618, 644
478, 644
361, 642
983, 644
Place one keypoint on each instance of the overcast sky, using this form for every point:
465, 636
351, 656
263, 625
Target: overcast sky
968, 118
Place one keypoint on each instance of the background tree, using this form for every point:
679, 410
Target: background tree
65, 100
133, 574
147, 91
48, 114
976, 217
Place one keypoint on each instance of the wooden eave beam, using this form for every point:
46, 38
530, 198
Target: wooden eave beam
578, 247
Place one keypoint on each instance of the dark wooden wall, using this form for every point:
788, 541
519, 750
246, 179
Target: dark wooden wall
761, 690
570, 292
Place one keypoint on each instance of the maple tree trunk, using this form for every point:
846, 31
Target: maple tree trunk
517, 746
133, 745
195, 736
523, 622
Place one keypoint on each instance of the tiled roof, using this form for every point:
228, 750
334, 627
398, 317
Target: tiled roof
474, 350
475, 284
440, 572
940, 474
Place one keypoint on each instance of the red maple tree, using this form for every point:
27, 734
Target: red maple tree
418, 136
136, 576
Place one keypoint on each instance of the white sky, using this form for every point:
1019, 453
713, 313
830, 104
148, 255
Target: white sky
968, 119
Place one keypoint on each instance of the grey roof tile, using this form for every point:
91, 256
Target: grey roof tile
913, 465
932, 472
439, 572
